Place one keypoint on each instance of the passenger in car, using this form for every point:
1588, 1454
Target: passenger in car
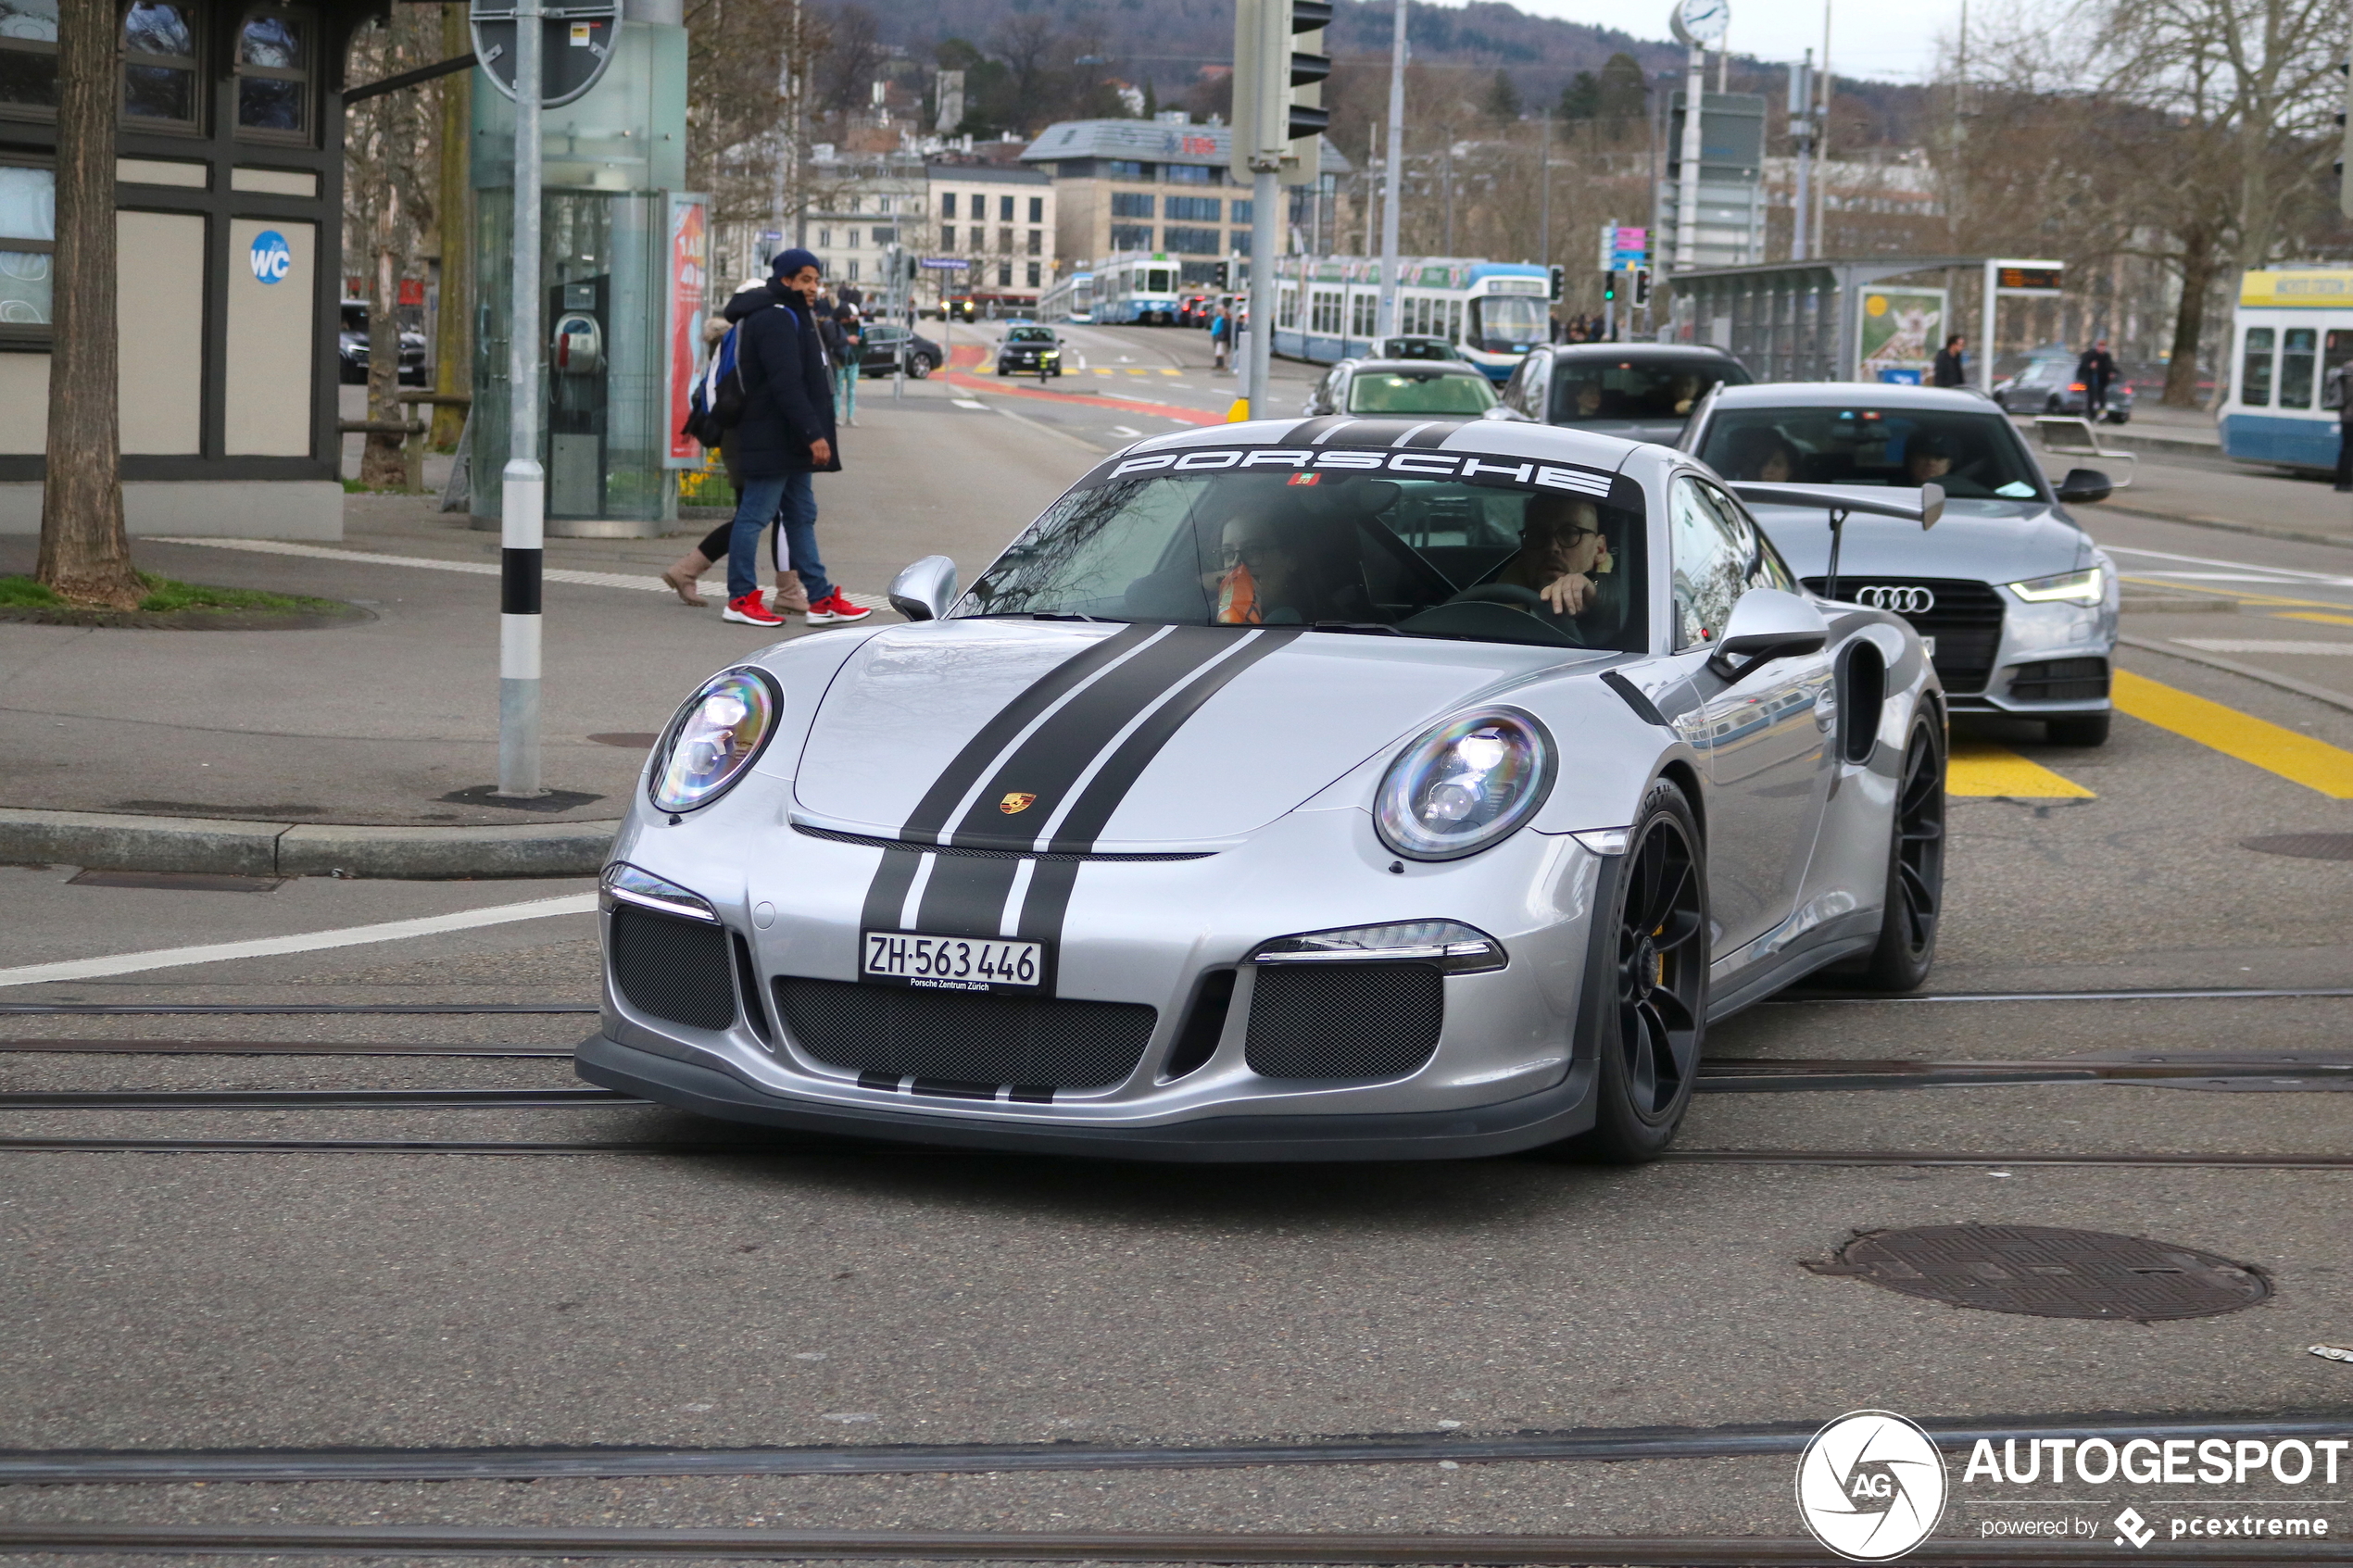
1927, 458
1562, 551
1584, 400
1761, 454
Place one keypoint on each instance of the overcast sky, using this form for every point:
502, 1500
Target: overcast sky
1891, 42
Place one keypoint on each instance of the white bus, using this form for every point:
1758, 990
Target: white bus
1137, 289
1070, 299
1326, 307
2294, 326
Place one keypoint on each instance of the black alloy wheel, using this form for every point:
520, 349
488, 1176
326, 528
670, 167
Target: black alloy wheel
1915, 870
1655, 1016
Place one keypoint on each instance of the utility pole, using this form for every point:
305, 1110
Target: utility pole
1801, 130
1822, 144
1276, 106
1544, 187
524, 486
1393, 166
1687, 187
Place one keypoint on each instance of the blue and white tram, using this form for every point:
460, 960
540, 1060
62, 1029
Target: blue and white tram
1070, 299
2295, 325
1327, 308
1137, 289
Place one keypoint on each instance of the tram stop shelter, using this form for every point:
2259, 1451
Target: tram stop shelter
1880, 318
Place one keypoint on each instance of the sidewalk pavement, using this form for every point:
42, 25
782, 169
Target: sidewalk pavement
2178, 474
354, 748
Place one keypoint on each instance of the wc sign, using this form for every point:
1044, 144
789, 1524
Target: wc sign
272, 257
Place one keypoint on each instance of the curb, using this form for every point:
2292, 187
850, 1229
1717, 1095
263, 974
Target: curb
123, 843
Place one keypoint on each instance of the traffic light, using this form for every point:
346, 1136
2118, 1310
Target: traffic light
1641, 285
1560, 283
1609, 287
1221, 276
1279, 69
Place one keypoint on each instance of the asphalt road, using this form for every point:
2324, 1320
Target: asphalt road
835, 1294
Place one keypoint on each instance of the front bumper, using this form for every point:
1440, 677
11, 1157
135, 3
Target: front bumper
2053, 661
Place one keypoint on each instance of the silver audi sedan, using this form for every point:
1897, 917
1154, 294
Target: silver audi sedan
2016, 602
1321, 789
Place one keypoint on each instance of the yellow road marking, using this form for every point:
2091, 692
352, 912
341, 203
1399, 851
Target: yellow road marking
1978, 766
1167, 371
2314, 615
2297, 758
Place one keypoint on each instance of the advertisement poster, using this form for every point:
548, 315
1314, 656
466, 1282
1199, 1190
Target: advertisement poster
690, 269
1901, 331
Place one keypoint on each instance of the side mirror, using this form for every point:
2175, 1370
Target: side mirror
2085, 484
923, 591
1767, 625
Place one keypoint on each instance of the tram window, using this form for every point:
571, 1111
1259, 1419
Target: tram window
2255, 369
2336, 348
2296, 345
1453, 320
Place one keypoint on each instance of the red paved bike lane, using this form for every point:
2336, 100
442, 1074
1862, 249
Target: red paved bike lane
963, 357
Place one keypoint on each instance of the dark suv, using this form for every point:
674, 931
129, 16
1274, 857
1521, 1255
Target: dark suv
2048, 384
1635, 391
352, 348
1029, 349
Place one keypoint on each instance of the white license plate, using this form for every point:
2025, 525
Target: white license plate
952, 964
1928, 646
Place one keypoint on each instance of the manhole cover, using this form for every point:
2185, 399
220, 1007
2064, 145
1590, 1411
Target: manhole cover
2304, 846
2049, 1273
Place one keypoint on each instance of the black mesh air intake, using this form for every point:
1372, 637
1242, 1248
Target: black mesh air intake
965, 1035
2060, 679
673, 968
1965, 621
1344, 1020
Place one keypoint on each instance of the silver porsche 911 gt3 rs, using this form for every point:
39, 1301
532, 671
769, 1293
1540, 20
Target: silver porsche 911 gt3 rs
1296, 790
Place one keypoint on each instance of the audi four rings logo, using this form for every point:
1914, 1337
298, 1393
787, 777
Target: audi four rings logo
1904, 599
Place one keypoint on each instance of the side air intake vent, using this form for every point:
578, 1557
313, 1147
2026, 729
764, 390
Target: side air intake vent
1344, 1020
672, 969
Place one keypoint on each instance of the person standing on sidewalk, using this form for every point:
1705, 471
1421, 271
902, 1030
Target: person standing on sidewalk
785, 439
2336, 392
2097, 373
846, 344
1221, 336
1952, 363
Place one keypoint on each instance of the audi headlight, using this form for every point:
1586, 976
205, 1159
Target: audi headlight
714, 739
1465, 785
2086, 587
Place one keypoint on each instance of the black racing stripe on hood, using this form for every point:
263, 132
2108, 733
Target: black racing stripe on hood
1307, 433
931, 812
1048, 764
966, 894
1079, 831
887, 894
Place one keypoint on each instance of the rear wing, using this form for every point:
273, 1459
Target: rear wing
1839, 499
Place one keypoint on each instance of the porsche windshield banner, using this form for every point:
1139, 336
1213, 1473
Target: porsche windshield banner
1309, 465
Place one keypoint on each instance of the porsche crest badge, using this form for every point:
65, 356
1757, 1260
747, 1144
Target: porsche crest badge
1016, 801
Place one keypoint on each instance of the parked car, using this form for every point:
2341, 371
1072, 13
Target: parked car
1413, 347
1195, 309
2016, 602
351, 348
1029, 349
2046, 384
1640, 391
1251, 807
1381, 388
878, 351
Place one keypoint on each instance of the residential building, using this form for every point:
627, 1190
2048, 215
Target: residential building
1151, 185
860, 206
1001, 220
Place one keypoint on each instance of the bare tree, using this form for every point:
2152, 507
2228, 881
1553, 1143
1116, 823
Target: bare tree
391, 189
85, 552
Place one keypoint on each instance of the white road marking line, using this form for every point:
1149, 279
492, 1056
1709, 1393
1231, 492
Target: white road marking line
1122, 430
2259, 645
2286, 572
968, 403
270, 946
477, 569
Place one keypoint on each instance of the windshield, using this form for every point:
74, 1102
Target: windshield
1419, 392
1585, 390
1030, 335
1972, 456
1417, 348
1505, 323
1156, 279
1486, 562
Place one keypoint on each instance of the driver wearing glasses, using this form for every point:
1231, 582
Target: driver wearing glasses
1562, 551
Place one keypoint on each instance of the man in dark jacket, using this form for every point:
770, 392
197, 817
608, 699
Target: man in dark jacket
2097, 373
1951, 367
786, 435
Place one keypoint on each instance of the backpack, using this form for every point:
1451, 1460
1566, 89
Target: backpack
716, 406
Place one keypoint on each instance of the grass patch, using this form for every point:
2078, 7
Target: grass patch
353, 487
165, 596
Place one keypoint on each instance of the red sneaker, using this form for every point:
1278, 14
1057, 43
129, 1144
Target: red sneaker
750, 611
835, 609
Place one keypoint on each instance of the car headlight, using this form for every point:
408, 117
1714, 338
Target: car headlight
1465, 785
713, 739
1050, 353
1451, 946
624, 884
2086, 587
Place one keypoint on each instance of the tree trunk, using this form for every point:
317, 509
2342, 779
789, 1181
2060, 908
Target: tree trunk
453, 336
85, 554
2189, 323
381, 467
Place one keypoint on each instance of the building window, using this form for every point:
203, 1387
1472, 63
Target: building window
1131, 204
274, 75
1186, 173
1004, 209
29, 55
1037, 242
160, 77
1242, 210
1196, 209
884, 233
947, 205
824, 239
1038, 210
853, 269
1120, 168
1036, 274
1197, 242
882, 203
849, 239
1004, 242
1240, 243
28, 249
850, 206
948, 234
1131, 236
1004, 274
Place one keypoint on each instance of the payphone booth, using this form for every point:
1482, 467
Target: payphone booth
612, 162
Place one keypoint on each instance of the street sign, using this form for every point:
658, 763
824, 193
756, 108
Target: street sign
1623, 248
943, 264
577, 41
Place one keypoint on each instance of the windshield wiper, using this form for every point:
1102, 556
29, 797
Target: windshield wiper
1040, 615
1371, 628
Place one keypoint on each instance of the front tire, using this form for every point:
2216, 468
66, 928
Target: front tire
1915, 892
2084, 729
919, 367
1654, 1018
